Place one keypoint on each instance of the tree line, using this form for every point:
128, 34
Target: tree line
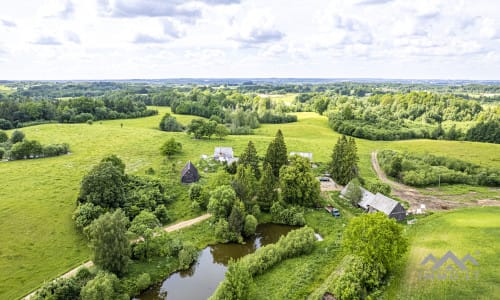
18, 147
427, 169
19, 112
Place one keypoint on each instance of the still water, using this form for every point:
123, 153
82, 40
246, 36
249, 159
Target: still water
201, 280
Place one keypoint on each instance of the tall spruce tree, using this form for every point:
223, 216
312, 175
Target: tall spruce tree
267, 193
244, 183
276, 155
343, 166
250, 158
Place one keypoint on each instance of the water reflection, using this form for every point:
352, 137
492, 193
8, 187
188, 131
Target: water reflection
201, 280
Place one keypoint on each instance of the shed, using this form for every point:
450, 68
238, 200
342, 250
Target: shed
189, 173
378, 202
390, 207
307, 155
225, 154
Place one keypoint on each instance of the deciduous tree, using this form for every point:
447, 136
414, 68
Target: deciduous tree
109, 242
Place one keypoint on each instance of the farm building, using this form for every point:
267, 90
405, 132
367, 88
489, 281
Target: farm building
189, 173
224, 154
378, 202
307, 155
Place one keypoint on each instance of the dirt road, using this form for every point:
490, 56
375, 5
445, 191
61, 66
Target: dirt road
411, 195
169, 228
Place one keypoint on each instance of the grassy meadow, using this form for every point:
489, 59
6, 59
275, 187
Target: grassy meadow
37, 197
474, 231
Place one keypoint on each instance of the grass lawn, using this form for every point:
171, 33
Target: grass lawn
37, 197
473, 230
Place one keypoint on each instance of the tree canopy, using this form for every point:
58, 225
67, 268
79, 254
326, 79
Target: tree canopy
343, 166
109, 242
276, 155
298, 184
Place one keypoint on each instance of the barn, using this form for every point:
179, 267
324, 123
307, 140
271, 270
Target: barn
378, 202
189, 173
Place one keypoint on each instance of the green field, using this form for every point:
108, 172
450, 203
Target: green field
38, 240
473, 230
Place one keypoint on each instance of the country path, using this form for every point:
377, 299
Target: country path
168, 228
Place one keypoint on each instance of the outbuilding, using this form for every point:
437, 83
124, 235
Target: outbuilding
189, 173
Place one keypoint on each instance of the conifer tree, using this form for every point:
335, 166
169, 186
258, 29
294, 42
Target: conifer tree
244, 183
267, 193
343, 166
250, 158
276, 155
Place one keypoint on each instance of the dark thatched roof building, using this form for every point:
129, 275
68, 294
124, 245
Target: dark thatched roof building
189, 174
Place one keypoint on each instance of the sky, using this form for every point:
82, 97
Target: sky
148, 39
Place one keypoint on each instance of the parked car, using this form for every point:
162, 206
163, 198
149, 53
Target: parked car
335, 213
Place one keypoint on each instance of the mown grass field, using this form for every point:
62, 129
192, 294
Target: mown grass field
37, 197
473, 230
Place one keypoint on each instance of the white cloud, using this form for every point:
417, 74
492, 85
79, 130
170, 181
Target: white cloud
224, 38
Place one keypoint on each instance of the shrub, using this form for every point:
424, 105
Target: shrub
250, 225
293, 215
187, 256
85, 214
3, 136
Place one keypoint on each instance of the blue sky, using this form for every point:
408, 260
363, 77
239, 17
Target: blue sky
121, 39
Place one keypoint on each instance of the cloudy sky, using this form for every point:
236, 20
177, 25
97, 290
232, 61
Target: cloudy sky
120, 39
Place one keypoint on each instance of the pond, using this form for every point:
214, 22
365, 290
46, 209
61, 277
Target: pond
201, 280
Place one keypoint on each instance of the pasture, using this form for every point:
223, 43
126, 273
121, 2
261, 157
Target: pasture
474, 231
37, 197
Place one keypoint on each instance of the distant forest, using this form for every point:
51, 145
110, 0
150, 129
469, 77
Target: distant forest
376, 111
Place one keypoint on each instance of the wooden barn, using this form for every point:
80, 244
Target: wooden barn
189, 173
378, 202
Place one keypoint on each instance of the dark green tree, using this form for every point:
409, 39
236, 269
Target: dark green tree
249, 157
115, 161
343, 165
144, 221
103, 186
298, 184
276, 155
109, 242
17, 136
236, 220
244, 183
266, 193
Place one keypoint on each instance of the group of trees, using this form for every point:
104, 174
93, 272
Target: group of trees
281, 186
106, 187
18, 147
410, 115
372, 245
427, 169
19, 112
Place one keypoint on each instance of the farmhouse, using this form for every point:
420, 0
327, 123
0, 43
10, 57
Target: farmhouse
378, 202
307, 155
189, 173
224, 154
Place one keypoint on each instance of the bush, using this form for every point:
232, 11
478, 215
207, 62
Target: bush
142, 222
105, 286
250, 225
293, 215
59, 289
2, 153
85, 214
162, 214
17, 136
187, 256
